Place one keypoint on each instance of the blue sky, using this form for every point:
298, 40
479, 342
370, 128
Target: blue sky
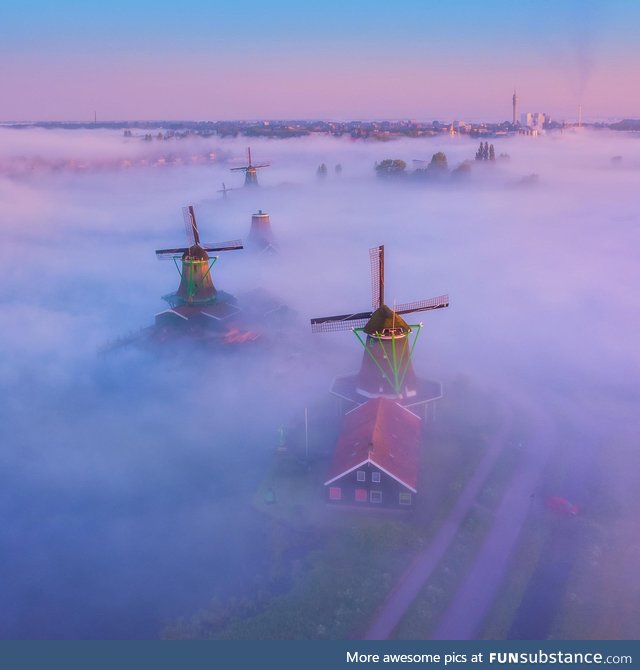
557, 52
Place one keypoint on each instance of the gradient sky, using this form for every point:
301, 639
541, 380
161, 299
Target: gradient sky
409, 59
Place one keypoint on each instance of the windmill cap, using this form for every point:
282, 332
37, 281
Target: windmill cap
195, 252
383, 319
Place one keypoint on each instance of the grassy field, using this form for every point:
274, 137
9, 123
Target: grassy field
432, 600
600, 597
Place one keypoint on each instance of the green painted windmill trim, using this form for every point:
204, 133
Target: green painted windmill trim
192, 288
397, 382
413, 346
373, 358
399, 374
394, 362
205, 275
175, 262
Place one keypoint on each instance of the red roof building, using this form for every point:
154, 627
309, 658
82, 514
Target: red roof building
210, 323
377, 455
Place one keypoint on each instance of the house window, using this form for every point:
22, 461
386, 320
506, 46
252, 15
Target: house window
375, 496
362, 476
335, 493
361, 495
375, 477
405, 498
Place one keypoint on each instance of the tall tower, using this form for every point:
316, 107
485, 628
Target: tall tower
515, 107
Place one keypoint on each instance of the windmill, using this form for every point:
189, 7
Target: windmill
260, 236
388, 342
196, 286
250, 171
224, 190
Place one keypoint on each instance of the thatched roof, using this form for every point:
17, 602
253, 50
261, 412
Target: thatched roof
195, 253
383, 319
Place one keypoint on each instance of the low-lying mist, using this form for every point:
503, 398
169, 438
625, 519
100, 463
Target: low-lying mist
126, 477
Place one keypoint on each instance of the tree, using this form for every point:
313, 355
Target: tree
322, 171
479, 153
492, 153
463, 170
390, 167
438, 161
485, 152
338, 168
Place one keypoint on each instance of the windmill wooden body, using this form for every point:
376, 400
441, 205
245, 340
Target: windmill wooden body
250, 170
196, 297
260, 236
388, 340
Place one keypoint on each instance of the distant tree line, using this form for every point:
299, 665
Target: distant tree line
438, 166
390, 167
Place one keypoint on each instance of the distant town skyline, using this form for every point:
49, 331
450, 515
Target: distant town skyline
356, 60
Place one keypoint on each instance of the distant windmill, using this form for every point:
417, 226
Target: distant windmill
196, 286
260, 236
224, 190
250, 171
386, 368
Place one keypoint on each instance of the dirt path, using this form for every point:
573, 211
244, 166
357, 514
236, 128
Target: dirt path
414, 578
479, 588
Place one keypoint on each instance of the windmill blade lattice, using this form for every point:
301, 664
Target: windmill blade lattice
190, 225
250, 165
423, 305
231, 245
376, 259
168, 254
332, 324
361, 319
